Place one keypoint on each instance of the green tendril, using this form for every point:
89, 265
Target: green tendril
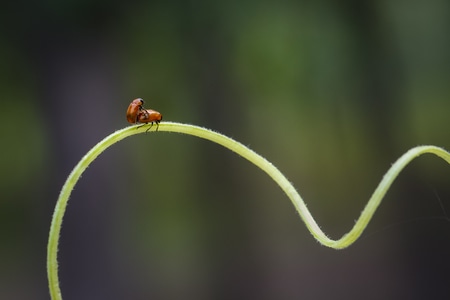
345, 241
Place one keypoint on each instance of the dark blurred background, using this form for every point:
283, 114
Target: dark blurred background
330, 92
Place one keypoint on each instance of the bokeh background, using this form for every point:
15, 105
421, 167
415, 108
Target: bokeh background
331, 92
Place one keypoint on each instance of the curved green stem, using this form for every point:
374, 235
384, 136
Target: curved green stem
256, 159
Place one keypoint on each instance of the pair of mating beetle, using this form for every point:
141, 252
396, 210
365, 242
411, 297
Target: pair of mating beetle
136, 113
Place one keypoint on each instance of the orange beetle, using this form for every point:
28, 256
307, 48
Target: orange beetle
150, 116
134, 110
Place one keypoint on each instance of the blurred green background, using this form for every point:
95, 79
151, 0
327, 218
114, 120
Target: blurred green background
330, 92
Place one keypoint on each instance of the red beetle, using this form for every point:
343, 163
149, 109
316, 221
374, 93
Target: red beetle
134, 109
150, 116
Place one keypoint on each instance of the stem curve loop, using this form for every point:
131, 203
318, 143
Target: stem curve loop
345, 241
